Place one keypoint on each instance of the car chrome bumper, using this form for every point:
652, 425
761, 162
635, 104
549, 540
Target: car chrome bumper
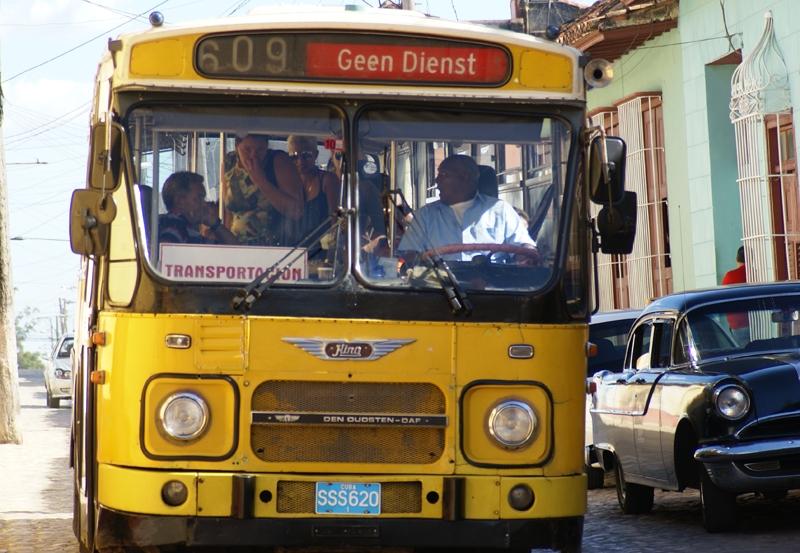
752, 466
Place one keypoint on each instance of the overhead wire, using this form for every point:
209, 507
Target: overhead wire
80, 109
113, 10
84, 43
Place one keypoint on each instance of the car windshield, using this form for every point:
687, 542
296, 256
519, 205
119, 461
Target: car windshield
481, 192
226, 194
66, 348
746, 326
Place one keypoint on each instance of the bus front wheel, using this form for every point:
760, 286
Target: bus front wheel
569, 536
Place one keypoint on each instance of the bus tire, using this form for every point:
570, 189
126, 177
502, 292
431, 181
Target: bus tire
569, 536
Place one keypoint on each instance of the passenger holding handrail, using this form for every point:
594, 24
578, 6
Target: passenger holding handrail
463, 219
264, 193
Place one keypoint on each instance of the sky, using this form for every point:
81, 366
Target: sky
49, 50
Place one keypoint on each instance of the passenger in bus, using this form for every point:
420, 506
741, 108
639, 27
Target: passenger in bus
464, 215
320, 188
190, 219
264, 193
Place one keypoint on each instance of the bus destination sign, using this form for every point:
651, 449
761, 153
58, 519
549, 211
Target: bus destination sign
337, 57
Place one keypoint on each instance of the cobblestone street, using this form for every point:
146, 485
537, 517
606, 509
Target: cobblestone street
36, 509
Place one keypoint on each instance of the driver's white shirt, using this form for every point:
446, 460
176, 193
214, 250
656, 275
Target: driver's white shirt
486, 220
460, 208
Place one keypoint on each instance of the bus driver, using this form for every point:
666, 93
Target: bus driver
462, 215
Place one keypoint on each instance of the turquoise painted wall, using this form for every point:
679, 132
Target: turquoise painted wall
727, 212
704, 210
656, 67
712, 169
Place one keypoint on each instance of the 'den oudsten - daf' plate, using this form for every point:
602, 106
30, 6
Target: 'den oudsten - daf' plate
348, 498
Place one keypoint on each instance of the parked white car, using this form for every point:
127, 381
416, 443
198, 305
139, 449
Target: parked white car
58, 372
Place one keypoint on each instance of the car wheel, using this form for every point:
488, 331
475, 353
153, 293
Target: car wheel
53, 402
634, 499
718, 506
595, 478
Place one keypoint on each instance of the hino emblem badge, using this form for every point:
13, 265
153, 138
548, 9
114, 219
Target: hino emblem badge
342, 350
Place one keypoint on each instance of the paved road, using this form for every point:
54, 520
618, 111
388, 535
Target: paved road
36, 504
35, 478
675, 525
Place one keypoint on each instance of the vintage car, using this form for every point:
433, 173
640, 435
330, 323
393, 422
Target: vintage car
608, 331
58, 372
709, 398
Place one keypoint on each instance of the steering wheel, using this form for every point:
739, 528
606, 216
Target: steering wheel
530, 253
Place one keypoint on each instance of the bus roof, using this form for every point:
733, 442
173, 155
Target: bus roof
158, 68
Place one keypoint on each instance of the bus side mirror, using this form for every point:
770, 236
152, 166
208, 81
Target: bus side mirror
607, 169
616, 225
90, 213
106, 156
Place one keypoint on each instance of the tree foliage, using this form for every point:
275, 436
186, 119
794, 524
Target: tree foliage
24, 325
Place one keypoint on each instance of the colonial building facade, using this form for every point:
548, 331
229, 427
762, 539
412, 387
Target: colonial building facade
702, 93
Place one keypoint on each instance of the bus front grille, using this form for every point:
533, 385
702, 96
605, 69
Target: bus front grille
396, 497
295, 440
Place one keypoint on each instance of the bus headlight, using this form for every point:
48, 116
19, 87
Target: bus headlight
732, 402
512, 424
184, 416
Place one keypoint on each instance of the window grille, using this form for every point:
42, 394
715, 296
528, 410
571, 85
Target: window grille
762, 120
647, 271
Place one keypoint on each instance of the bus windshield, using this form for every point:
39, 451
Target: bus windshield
228, 194
224, 197
480, 192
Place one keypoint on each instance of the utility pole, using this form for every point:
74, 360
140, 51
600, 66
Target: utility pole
9, 378
408, 4
62, 317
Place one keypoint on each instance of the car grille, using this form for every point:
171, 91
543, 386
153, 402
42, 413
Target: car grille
396, 497
775, 428
343, 442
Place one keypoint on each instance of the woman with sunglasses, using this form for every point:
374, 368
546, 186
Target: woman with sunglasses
320, 188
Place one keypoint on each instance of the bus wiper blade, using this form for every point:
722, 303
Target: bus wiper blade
246, 297
453, 291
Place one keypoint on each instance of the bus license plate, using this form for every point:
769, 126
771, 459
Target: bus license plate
348, 498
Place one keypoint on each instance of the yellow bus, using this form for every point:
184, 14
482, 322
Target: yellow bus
368, 326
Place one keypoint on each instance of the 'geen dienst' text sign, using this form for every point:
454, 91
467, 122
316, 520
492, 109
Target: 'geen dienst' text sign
336, 57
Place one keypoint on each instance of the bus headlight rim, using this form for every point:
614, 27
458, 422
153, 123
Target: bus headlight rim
512, 438
169, 416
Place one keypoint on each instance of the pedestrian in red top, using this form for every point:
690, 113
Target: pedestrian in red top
739, 322
739, 274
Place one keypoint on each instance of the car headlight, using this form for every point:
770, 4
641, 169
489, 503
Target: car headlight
184, 416
732, 401
512, 424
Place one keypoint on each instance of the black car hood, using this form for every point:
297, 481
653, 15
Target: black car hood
773, 379
750, 365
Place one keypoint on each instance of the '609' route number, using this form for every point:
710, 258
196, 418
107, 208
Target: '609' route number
348, 498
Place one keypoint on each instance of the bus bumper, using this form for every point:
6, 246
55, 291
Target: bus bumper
231, 509
117, 529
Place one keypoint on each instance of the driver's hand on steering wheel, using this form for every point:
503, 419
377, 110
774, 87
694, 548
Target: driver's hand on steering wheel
527, 260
